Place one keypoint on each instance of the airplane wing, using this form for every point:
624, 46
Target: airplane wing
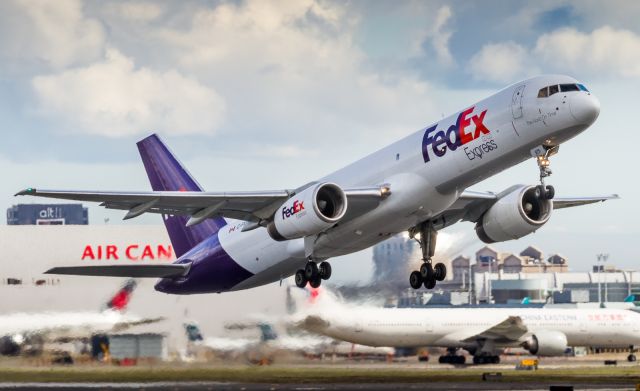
137, 271
252, 206
471, 205
510, 329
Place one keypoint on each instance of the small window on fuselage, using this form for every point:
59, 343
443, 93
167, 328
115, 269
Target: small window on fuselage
568, 87
553, 89
543, 93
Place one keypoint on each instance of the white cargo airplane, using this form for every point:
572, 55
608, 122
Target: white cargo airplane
17, 329
481, 331
237, 240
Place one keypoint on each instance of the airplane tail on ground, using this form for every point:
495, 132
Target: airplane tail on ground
120, 300
166, 173
193, 332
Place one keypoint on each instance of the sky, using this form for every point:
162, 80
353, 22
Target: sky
255, 95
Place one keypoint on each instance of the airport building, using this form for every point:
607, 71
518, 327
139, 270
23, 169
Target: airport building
501, 277
47, 214
29, 250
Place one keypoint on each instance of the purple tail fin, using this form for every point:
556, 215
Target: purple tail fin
166, 173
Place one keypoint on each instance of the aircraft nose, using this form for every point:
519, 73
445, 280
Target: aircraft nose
585, 108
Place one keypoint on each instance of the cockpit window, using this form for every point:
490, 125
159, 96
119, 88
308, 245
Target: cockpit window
568, 87
543, 93
548, 91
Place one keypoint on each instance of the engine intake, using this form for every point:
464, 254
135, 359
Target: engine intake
309, 212
547, 343
517, 214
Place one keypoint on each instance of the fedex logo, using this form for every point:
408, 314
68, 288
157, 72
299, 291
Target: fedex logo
456, 136
296, 208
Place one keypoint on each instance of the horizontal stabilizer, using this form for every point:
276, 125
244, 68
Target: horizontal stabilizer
136, 271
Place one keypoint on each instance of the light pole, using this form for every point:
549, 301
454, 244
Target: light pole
602, 257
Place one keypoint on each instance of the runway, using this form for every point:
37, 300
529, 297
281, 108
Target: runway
223, 386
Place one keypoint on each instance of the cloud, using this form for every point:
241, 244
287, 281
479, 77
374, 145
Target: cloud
604, 51
294, 68
500, 62
136, 11
440, 37
113, 98
51, 32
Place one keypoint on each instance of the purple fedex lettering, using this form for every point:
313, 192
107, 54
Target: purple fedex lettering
295, 208
456, 136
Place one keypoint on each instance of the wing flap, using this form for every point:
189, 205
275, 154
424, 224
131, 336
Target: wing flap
135, 271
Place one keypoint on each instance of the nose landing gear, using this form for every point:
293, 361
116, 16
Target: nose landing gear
313, 274
428, 274
542, 154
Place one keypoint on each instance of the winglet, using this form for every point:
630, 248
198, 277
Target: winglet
27, 191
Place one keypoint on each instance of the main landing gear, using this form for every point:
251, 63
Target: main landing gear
313, 274
542, 155
452, 358
428, 274
632, 354
486, 359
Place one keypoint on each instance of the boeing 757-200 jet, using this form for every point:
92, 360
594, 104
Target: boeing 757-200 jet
237, 240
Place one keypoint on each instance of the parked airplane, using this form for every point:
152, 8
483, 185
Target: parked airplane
481, 331
270, 343
20, 329
237, 240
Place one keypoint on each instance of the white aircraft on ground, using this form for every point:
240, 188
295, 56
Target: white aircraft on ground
484, 332
238, 240
270, 343
18, 329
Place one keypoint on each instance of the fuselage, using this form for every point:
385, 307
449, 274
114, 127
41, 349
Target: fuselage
454, 327
64, 322
426, 172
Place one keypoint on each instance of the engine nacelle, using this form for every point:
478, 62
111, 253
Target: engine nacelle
309, 212
515, 215
547, 343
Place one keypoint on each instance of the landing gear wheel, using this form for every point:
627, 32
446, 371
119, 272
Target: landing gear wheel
549, 193
426, 271
301, 279
415, 280
440, 271
631, 358
478, 360
495, 360
430, 283
460, 360
315, 283
325, 270
311, 271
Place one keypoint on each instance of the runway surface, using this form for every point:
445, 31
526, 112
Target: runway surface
206, 386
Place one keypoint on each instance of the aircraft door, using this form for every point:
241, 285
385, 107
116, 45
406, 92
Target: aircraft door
516, 102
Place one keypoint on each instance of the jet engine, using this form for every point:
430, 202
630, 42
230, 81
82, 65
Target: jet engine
309, 212
546, 343
517, 214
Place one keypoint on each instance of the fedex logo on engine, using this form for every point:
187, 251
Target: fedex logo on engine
296, 208
458, 135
